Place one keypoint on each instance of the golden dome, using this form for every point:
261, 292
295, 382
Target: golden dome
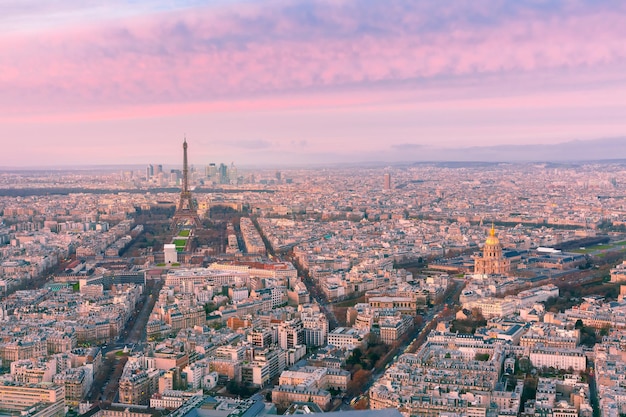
492, 240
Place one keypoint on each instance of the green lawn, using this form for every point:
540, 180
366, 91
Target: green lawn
596, 248
184, 233
180, 242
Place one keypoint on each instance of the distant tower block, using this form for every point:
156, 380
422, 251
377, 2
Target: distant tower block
387, 181
186, 212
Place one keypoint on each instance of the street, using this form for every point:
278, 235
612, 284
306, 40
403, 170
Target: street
105, 384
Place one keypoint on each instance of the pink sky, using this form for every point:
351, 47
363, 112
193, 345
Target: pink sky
307, 80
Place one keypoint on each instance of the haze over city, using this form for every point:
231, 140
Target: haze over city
301, 82
246, 208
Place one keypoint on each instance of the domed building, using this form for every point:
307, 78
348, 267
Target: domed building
492, 261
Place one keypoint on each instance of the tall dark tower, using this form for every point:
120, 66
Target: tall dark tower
186, 211
387, 181
185, 191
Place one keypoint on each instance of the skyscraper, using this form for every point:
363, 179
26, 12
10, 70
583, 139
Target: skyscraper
211, 171
232, 173
387, 181
223, 174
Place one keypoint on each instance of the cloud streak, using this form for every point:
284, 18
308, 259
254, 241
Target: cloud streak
245, 51
407, 146
252, 144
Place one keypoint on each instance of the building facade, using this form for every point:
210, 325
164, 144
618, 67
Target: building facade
492, 261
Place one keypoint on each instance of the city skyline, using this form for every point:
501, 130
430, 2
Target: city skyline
310, 82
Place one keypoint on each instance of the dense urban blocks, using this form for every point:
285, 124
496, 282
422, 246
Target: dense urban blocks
328, 286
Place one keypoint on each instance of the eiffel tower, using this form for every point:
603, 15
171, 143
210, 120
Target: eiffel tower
186, 212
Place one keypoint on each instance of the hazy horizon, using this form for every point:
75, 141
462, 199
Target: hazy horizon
562, 153
308, 82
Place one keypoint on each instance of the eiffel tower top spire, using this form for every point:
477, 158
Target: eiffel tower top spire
185, 168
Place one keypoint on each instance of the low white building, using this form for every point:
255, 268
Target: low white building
169, 251
493, 307
171, 399
558, 358
345, 337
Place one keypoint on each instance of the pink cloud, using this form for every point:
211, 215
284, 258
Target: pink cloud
252, 57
